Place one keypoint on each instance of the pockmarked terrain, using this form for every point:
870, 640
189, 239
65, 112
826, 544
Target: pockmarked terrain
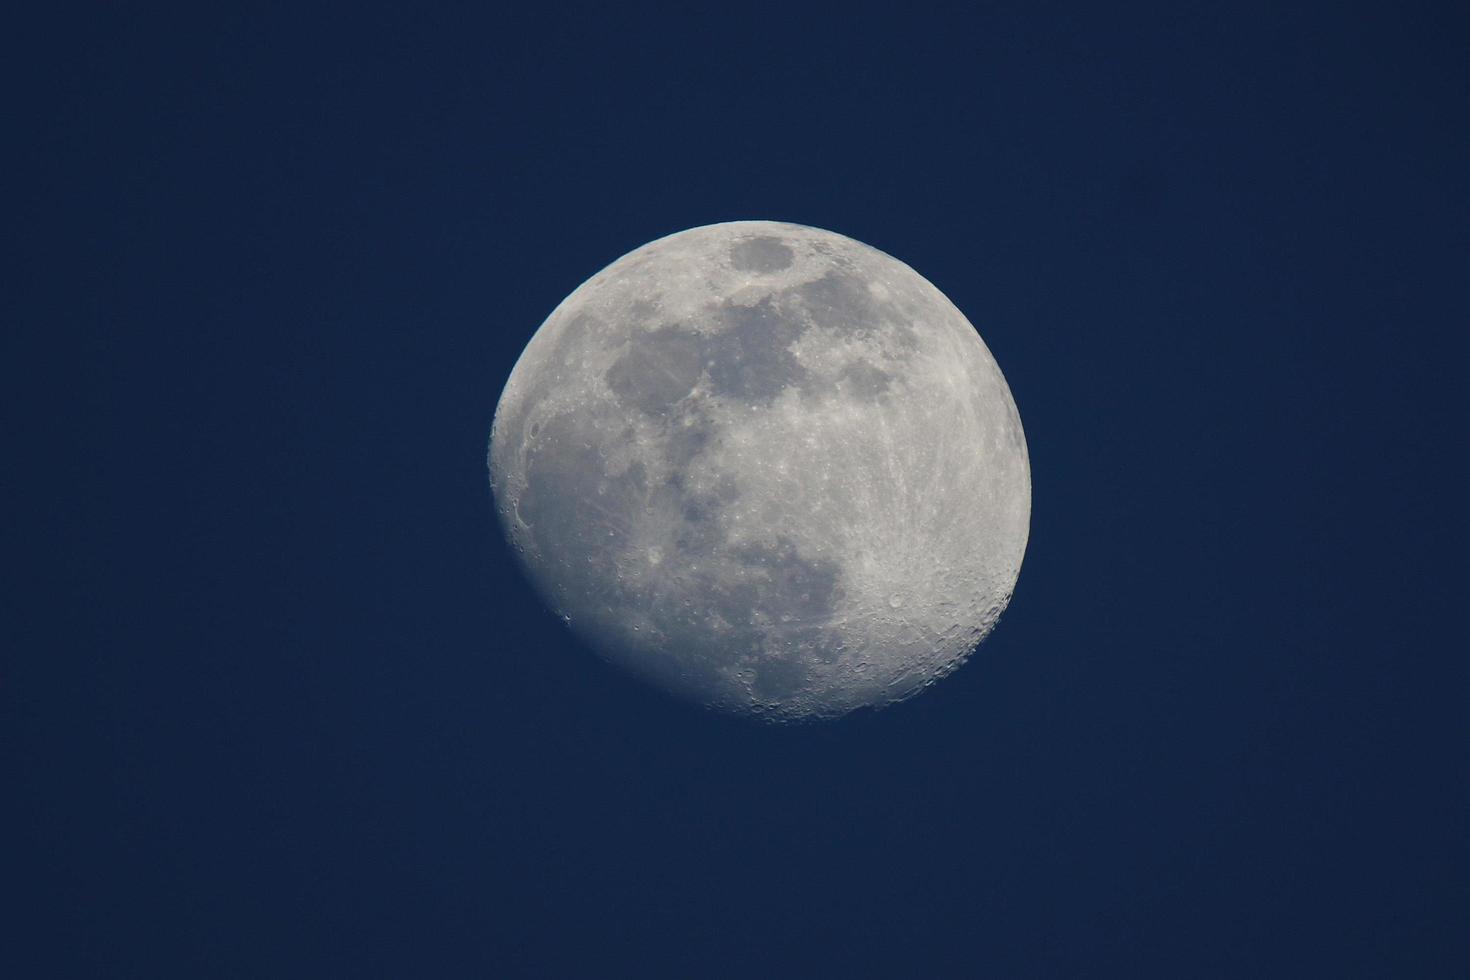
768, 468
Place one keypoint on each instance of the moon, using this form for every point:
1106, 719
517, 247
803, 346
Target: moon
768, 468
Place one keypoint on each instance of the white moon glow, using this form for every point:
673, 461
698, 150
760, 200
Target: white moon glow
767, 467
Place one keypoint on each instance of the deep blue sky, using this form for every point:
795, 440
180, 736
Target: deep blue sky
276, 702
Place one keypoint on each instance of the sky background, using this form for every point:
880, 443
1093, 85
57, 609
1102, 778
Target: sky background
276, 702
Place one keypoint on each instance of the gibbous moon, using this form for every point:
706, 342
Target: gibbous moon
768, 468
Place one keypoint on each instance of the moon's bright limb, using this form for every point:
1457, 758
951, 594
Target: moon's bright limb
769, 468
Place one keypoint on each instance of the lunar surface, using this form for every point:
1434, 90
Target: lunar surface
768, 468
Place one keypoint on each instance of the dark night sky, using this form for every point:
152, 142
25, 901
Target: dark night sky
275, 701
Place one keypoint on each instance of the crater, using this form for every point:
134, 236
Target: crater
763, 255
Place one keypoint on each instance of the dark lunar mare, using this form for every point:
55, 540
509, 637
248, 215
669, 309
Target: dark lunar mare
765, 604
649, 460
